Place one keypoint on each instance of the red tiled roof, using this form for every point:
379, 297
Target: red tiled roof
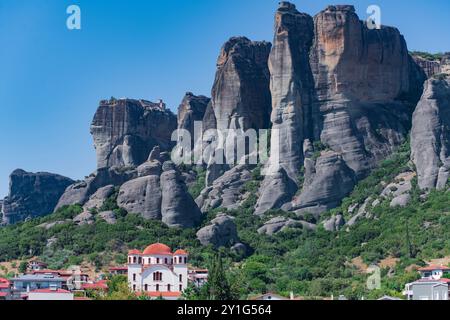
431, 268
157, 249
180, 252
50, 291
100, 285
134, 251
3, 294
4, 283
445, 280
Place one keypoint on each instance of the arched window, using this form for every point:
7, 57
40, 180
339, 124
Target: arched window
181, 287
134, 259
146, 287
157, 260
129, 260
168, 288
134, 276
165, 260
185, 260
181, 278
140, 260
157, 287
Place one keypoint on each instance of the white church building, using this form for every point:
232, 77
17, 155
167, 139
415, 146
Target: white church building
157, 272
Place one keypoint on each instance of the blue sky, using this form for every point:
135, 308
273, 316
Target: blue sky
51, 79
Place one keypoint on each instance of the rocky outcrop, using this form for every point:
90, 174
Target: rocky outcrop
32, 195
335, 223
344, 86
191, 109
430, 67
81, 191
221, 232
430, 135
97, 200
332, 180
126, 130
227, 191
280, 224
240, 94
178, 209
240, 97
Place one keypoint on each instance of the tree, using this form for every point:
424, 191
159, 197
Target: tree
218, 286
23, 267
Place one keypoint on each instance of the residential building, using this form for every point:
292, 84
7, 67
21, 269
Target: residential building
35, 265
29, 282
198, 276
431, 286
433, 272
118, 270
5, 289
157, 271
54, 294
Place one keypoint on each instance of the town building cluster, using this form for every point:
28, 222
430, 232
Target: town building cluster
156, 272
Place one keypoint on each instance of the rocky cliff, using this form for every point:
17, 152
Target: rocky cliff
365, 87
430, 135
32, 195
126, 130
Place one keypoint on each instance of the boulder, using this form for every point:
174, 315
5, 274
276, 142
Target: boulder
221, 232
108, 216
99, 197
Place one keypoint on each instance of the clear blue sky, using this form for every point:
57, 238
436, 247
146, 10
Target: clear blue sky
51, 79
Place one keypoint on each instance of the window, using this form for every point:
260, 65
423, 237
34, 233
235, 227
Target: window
157, 260
157, 287
134, 259
157, 276
181, 287
165, 260
134, 276
168, 288
140, 260
129, 260
185, 260
134, 287
146, 287
181, 278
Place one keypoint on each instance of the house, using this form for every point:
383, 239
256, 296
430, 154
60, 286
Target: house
23, 284
101, 286
118, 270
431, 286
198, 276
5, 289
74, 278
157, 272
427, 289
34, 265
54, 294
433, 272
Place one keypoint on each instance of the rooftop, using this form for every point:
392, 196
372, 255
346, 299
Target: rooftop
38, 277
432, 268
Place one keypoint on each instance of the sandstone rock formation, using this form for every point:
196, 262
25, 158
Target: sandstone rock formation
32, 195
227, 191
280, 224
430, 135
178, 209
81, 191
344, 86
221, 232
126, 130
191, 109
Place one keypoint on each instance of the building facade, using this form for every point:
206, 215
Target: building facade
431, 286
157, 271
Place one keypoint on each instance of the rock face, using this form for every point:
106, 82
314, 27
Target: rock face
430, 135
178, 209
341, 86
80, 192
240, 94
331, 182
430, 67
227, 191
280, 224
32, 195
221, 232
125, 131
241, 97
191, 109
335, 223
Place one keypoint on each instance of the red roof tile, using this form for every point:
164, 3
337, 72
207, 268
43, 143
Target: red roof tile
431, 268
4, 294
180, 252
157, 249
100, 285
